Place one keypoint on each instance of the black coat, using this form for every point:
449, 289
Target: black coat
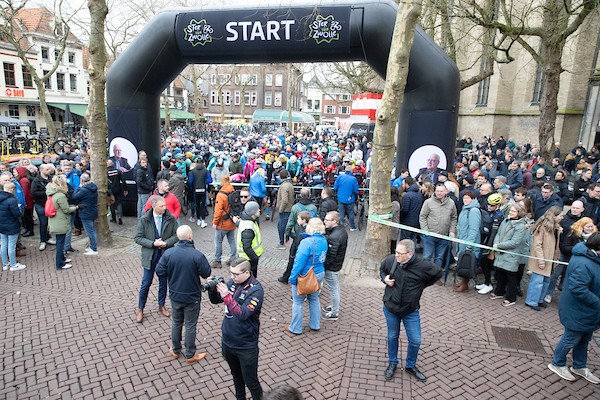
412, 201
411, 279
144, 180
337, 241
329, 204
38, 189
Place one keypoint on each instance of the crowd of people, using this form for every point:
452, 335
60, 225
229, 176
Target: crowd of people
496, 194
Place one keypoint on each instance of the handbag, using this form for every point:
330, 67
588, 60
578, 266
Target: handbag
308, 283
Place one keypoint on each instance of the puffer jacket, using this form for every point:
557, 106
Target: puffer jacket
579, 306
337, 241
438, 216
61, 222
86, 197
469, 225
222, 219
412, 202
9, 214
511, 237
312, 252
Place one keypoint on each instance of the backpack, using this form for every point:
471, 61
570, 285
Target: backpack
49, 208
235, 205
465, 265
313, 213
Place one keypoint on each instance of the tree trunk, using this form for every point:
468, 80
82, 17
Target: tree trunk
97, 113
377, 240
549, 100
39, 83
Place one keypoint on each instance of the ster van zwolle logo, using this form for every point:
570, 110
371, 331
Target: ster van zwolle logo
325, 29
198, 32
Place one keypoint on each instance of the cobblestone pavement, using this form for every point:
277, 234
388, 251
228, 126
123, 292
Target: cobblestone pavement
72, 334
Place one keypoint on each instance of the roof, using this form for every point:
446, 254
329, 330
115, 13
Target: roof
39, 20
281, 116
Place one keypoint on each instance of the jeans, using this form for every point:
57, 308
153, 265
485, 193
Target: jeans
349, 209
244, 370
89, 225
147, 279
578, 342
538, 286
60, 250
314, 308
142, 200
187, 313
283, 219
404, 234
412, 325
43, 222
9, 249
434, 249
332, 278
219, 236
28, 220
69, 234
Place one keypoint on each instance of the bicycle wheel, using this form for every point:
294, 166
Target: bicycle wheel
33, 146
17, 146
57, 147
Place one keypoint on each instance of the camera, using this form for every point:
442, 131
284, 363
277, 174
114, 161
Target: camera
211, 284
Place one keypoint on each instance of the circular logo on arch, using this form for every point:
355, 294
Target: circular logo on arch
325, 29
198, 32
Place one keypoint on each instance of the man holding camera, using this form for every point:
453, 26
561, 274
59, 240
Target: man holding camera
243, 297
183, 266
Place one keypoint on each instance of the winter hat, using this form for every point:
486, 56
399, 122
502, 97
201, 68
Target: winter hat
251, 208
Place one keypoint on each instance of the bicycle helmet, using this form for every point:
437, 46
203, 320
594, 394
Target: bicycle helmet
317, 164
293, 159
276, 165
494, 199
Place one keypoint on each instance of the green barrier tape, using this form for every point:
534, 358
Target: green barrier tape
382, 219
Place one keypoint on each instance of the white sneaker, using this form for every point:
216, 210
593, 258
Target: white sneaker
480, 286
51, 241
5, 267
42, 246
90, 252
87, 249
68, 260
203, 225
585, 373
352, 229
192, 219
563, 372
17, 267
66, 266
486, 289
198, 222
548, 298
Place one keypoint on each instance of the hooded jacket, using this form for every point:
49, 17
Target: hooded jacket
25, 186
61, 222
512, 237
312, 252
469, 225
438, 216
86, 197
337, 241
9, 214
222, 209
412, 202
579, 306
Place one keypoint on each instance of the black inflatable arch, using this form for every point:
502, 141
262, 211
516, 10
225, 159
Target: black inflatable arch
328, 32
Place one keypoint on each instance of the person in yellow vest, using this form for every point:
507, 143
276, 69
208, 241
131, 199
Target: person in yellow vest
249, 240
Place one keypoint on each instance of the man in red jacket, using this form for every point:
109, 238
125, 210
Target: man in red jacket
162, 189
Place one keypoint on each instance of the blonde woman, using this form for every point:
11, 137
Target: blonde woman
544, 244
60, 224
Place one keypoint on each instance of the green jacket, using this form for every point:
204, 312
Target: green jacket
511, 237
61, 222
145, 237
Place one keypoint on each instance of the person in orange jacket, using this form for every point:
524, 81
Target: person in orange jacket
223, 223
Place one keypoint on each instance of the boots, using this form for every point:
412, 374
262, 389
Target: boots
462, 286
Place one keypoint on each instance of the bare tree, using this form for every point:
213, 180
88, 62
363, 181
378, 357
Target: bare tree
377, 240
96, 114
350, 76
292, 88
13, 30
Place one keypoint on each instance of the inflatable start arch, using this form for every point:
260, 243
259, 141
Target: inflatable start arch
352, 31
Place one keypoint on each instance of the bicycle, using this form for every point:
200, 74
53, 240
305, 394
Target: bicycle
36, 143
362, 210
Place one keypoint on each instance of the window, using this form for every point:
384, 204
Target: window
537, 86
253, 98
249, 79
237, 97
483, 90
236, 79
277, 99
204, 103
214, 97
329, 110
268, 98
27, 79
344, 110
178, 92
9, 74
45, 54
60, 81
73, 82
309, 104
213, 79
268, 80
345, 97
48, 83
57, 55
227, 97
71, 58
30, 111
13, 110
224, 78
317, 105
278, 80
247, 98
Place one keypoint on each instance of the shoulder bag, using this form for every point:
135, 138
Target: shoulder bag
308, 283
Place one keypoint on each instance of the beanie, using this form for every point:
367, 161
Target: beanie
251, 208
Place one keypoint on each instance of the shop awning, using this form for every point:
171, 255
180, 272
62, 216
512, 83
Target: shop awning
78, 109
176, 114
8, 121
282, 116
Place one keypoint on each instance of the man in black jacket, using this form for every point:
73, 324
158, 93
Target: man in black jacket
38, 190
145, 184
328, 202
337, 241
243, 296
412, 201
183, 266
405, 278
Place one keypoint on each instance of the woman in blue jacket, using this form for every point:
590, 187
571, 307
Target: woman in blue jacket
579, 311
311, 253
10, 215
258, 187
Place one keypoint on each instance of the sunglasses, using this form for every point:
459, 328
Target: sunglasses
244, 197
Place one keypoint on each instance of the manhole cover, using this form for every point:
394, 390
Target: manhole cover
518, 339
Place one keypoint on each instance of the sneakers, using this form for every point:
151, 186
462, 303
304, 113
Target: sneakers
563, 372
480, 286
17, 267
584, 373
330, 316
66, 266
327, 309
548, 298
203, 224
198, 222
67, 260
352, 229
90, 252
486, 289
192, 219
216, 264
268, 217
51, 241
42, 246
280, 247
5, 267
